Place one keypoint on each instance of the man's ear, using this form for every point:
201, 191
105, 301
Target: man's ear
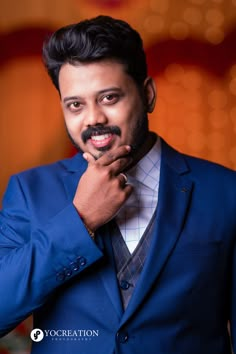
150, 93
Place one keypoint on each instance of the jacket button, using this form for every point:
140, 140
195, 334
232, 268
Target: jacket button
60, 276
122, 337
81, 261
124, 284
68, 272
74, 266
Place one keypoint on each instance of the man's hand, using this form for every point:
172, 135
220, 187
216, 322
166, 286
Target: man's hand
102, 189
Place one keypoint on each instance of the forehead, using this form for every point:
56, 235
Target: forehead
93, 76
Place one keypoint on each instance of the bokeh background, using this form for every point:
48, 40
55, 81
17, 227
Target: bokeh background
191, 51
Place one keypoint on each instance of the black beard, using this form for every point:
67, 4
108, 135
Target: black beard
72, 141
140, 134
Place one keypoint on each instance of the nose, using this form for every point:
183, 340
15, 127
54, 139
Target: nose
95, 115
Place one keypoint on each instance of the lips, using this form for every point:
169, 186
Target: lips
101, 140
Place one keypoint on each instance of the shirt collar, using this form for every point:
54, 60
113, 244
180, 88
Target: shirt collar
147, 170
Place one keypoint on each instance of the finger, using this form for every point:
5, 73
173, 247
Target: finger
112, 155
123, 179
128, 188
89, 157
120, 165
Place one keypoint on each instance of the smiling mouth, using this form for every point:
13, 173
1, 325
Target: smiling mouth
102, 140
100, 137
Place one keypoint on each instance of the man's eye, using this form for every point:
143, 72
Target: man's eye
74, 106
110, 99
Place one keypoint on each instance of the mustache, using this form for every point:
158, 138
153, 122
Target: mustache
99, 130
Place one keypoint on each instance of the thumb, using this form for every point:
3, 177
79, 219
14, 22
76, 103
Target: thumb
88, 157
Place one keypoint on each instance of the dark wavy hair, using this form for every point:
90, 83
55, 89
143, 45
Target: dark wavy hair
99, 38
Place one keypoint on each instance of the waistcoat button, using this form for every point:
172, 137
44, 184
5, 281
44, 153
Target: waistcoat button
124, 284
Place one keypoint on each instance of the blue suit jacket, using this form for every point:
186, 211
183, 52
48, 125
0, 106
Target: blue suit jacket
186, 293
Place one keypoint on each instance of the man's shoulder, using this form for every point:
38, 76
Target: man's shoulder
55, 168
204, 166
197, 165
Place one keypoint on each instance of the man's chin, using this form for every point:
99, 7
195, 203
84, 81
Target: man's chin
100, 152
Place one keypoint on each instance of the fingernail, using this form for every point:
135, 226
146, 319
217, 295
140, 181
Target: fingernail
85, 156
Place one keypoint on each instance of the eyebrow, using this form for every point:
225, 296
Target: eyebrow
66, 99
69, 98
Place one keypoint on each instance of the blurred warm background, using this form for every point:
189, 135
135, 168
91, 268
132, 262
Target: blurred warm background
191, 50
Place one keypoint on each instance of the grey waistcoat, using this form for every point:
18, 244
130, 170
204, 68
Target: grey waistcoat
129, 266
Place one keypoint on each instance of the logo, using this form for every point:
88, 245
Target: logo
37, 335
64, 334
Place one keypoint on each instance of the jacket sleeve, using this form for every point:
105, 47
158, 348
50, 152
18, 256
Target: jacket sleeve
34, 262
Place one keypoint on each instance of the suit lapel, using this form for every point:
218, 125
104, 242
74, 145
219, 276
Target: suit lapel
108, 272
173, 201
75, 167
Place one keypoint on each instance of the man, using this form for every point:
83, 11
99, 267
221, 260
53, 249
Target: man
128, 247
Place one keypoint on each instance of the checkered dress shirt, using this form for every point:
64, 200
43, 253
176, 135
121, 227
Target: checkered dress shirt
135, 215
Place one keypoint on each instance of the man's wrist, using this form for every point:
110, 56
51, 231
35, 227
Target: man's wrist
90, 231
